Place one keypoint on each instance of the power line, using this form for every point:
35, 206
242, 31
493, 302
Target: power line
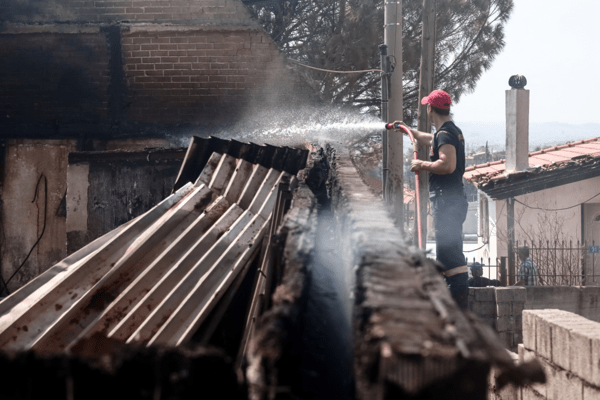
335, 72
557, 209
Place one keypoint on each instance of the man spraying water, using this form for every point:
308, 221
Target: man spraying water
448, 201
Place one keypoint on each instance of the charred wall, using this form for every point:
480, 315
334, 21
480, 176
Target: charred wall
131, 68
51, 79
96, 71
33, 224
107, 189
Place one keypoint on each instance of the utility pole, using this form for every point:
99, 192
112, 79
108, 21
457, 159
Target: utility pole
426, 79
393, 185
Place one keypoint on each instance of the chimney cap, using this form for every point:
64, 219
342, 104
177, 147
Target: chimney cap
517, 81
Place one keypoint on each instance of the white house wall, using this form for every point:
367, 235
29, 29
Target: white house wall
564, 224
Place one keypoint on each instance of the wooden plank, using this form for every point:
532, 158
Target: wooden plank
223, 173
206, 246
141, 253
252, 186
216, 315
200, 301
209, 169
57, 272
25, 322
149, 278
183, 285
238, 181
268, 185
187, 167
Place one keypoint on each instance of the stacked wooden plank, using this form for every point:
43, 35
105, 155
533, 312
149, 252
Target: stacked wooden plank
155, 279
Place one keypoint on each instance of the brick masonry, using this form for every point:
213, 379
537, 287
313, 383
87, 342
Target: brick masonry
181, 62
53, 76
223, 11
568, 347
201, 76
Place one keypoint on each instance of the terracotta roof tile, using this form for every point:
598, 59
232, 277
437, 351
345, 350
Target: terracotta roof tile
541, 158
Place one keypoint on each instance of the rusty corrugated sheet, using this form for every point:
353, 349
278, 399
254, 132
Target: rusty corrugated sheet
155, 279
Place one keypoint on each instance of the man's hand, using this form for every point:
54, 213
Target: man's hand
403, 124
416, 165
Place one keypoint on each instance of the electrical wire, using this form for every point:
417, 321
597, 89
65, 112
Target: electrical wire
479, 248
43, 229
335, 72
557, 209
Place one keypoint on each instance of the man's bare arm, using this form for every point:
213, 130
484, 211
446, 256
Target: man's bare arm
445, 165
423, 138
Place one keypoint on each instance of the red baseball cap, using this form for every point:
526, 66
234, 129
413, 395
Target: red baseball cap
437, 99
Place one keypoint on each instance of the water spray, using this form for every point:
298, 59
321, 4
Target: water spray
398, 126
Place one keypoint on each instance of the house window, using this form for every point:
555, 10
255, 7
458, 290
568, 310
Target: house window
484, 218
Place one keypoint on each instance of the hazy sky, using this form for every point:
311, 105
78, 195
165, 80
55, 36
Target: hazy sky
555, 44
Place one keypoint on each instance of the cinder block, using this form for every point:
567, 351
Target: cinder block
525, 356
506, 339
527, 393
590, 302
491, 322
529, 333
522, 352
590, 392
508, 392
518, 322
484, 294
484, 309
517, 307
564, 385
580, 354
543, 335
560, 345
505, 324
595, 356
504, 309
520, 294
509, 294
517, 338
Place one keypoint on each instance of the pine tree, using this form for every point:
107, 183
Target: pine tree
344, 35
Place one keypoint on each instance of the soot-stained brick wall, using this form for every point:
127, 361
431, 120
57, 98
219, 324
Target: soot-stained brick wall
201, 76
120, 68
121, 10
49, 78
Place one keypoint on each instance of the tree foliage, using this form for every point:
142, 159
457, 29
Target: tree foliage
343, 35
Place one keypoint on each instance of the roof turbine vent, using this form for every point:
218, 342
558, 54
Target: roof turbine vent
517, 81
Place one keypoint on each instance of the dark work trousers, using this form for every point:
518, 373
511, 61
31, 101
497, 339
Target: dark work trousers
449, 212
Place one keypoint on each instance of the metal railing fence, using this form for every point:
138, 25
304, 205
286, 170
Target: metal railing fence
557, 263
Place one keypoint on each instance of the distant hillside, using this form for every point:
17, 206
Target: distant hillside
540, 134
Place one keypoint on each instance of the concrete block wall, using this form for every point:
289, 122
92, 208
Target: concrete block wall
568, 346
501, 308
581, 300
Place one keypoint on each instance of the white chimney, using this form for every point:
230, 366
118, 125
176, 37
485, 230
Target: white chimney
517, 125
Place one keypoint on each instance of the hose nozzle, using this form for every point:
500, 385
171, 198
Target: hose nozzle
392, 126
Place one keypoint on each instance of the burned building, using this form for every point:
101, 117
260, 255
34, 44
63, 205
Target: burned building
126, 78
